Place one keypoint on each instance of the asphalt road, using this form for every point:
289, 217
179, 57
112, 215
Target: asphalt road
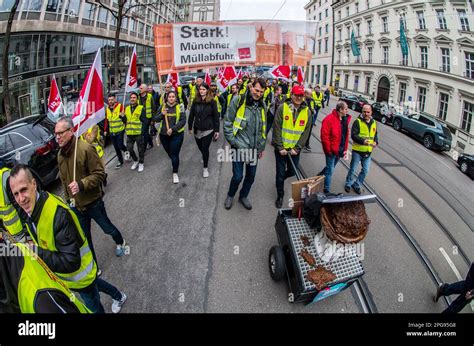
189, 254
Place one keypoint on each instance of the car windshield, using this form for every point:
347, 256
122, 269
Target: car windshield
363, 100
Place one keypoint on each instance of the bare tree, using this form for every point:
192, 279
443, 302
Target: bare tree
6, 48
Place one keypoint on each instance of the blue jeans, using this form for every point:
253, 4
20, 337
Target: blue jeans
350, 179
172, 145
284, 169
460, 302
331, 162
316, 112
97, 212
238, 174
108, 289
117, 141
91, 297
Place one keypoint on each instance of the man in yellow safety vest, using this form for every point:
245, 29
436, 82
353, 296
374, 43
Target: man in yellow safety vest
115, 126
136, 118
318, 97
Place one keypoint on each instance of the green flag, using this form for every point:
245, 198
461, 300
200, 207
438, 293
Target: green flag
354, 46
403, 39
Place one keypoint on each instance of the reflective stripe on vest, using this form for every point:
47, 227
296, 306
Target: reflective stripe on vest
229, 99
134, 125
8, 213
240, 116
177, 115
116, 124
219, 106
148, 105
87, 272
99, 149
364, 134
292, 132
318, 99
35, 277
192, 92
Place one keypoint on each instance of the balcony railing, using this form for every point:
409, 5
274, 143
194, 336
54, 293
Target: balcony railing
445, 69
422, 65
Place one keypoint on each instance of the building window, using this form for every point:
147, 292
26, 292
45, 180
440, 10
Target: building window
325, 74
369, 55
404, 61
338, 15
443, 105
327, 28
469, 65
467, 116
404, 20
357, 7
312, 74
32, 5
424, 57
327, 13
369, 27
346, 81
326, 41
347, 11
318, 76
348, 56
319, 46
348, 31
103, 15
421, 98
446, 65
356, 82
402, 93
358, 29
441, 19
339, 53
320, 31
385, 24
367, 85
368, 3
421, 20
464, 20
385, 55
89, 11
54, 6
320, 15
340, 34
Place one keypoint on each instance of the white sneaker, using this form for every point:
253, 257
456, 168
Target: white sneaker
205, 173
134, 166
140, 167
175, 178
126, 155
117, 304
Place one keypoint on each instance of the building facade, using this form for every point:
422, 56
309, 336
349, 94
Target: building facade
204, 10
435, 78
62, 37
320, 67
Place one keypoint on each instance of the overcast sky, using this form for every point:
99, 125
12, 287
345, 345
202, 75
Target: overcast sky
263, 9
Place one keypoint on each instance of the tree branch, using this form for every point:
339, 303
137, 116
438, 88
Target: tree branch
111, 10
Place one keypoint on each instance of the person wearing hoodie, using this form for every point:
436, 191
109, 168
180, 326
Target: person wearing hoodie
204, 123
172, 116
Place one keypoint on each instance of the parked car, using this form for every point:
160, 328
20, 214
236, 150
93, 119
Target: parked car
31, 141
383, 112
466, 164
354, 102
434, 134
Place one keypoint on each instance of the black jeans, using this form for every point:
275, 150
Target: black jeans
270, 118
147, 139
284, 170
96, 211
91, 296
141, 148
203, 144
117, 141
460, 302
172, 145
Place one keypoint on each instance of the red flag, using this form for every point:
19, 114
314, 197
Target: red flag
90, 107
173, 78
54, 99
228, 77
240, 74
300, 77
207, 78
131, 81
281, 71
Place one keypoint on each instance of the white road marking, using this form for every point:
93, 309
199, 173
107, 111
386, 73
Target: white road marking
454, 269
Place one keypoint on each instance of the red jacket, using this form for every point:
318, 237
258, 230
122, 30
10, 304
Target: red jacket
331, 133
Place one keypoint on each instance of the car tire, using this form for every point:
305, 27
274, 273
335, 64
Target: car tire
383, 120
428, 141
397, 124
276, 263
463, 167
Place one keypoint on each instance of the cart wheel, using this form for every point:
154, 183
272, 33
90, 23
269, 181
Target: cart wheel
276, 263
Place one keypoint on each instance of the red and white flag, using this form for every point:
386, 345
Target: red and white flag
240, 74
281, 71
131, 82
300, 76
207, 78
228, 77
54, 100
173, 78
90, 108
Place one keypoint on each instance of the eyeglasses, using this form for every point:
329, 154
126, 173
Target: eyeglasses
59, 134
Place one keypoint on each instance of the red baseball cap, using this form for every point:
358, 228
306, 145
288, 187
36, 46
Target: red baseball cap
297, 90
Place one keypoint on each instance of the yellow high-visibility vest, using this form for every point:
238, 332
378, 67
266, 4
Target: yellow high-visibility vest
177, 115
240, 116
318, 99
365, 133
291, 132
134, 125
116, 124
8, 214
148, 105
219, 106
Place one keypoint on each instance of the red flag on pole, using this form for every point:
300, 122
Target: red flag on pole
90, 107
54, 100
240, 74
207, 78
173, 78
300, 76
131, 82
228, 77
281, 71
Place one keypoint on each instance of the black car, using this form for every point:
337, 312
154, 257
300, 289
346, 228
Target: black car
466, 164
31, 141
354, 102
382, 112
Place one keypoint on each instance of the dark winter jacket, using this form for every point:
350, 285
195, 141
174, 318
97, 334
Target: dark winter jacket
203, 116
171, 120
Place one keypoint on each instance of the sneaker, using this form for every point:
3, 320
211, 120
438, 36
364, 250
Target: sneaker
307, 149
205, 173
175, 178
141, 166
357, 190
117, 304
118, 165
228, 202
134, 166
439, 292
126, 156
149, 146
99, 272
326, 191
120, 250
347, 189
246, 203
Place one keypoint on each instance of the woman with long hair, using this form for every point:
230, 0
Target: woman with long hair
173, 119
203, 122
